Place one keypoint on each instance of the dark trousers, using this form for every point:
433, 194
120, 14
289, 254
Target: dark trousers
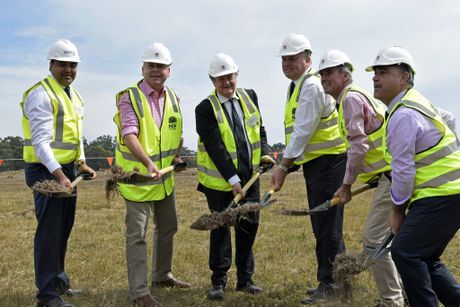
323, 176
429, 226
55, 217
220, 250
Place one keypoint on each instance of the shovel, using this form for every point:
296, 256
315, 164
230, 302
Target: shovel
52, 189
215, 220
135, 178
383, 248
262, 169
329, 203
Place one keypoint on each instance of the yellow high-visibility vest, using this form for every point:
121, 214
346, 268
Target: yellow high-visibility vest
159, 144
374, 161
437, 168
208, 174
325, 141
67, 123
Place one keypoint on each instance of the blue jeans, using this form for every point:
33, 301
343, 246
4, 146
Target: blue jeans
55, 218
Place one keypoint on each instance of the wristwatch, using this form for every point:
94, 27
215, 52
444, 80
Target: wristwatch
80, 163
283, 167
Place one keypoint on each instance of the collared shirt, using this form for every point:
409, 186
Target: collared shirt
313, 104
39, 111
360, 120
408, 132
128, 118
226, 102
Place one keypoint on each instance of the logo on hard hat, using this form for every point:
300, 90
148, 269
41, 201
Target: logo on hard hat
284, 47
222, 67
322, 61
377, 58
157, 54
172, 120
69, 52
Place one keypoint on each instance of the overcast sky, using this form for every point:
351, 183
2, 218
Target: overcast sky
112, 35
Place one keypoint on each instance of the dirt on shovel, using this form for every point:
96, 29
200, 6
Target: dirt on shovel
214, 220
346, 267
116, 174
49, 188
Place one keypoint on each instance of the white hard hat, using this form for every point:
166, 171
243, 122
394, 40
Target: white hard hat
293, 44
157, 53
393, 56
334, 58
63, 50
221, 65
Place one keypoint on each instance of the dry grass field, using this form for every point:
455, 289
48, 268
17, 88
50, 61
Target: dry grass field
284, 248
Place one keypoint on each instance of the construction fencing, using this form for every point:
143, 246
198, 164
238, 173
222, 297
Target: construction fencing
99, 163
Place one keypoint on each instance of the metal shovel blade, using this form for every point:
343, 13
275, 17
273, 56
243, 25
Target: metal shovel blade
53, 189
383, 248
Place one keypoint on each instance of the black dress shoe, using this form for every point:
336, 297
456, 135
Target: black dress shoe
311, 291
322, 295
72, 292
216, 293
55, 302
249, 287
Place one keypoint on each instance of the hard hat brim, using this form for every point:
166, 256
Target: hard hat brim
291, 53
158, 62
73, 60
223, 73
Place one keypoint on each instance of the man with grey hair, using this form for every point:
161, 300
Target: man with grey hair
361, 120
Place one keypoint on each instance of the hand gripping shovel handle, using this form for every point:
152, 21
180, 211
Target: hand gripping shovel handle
262, 169
357, 191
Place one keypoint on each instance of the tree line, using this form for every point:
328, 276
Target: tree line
103, 146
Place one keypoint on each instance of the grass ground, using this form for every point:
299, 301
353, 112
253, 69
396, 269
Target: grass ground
284, 248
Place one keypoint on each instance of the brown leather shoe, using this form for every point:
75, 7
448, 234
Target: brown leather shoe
171, 283
147, 301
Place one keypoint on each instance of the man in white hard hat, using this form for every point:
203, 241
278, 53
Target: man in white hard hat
232, 143
425, 175
313, 141
149, 138
53, 150
360, 121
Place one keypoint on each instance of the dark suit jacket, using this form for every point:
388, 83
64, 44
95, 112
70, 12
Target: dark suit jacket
208, 130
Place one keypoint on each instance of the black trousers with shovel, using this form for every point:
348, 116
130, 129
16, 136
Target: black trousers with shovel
323, 176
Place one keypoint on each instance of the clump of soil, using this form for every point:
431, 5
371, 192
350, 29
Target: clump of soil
116, 175
345, 267
229, 217
49, 187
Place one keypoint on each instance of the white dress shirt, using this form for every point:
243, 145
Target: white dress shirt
313, 105
38, 109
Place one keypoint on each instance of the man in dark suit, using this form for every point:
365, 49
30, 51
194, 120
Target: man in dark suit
232, 144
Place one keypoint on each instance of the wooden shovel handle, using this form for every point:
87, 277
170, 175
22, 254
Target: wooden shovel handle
357, 191
247, 186
76, 181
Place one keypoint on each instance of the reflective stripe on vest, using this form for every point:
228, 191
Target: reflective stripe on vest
208, 174
160, 144
374, 160
325, 140
437, 168
67, 122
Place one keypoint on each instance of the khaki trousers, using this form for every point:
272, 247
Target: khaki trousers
377, 225
137, 219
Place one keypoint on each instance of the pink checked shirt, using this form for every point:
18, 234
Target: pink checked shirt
128, 118
360, 120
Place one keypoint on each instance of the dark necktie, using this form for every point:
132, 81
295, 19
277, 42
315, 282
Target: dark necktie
291, 88
67, 91
241, 145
